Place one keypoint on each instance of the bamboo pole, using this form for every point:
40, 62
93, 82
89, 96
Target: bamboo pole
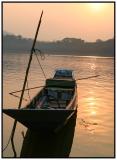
26, 89
25, 80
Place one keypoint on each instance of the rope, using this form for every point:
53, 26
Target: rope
13, 147
7, 143
41, 55
39, 61
11, 134
28, 91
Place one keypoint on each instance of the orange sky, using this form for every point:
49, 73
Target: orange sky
89, 21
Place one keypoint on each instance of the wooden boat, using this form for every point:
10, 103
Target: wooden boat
53, 106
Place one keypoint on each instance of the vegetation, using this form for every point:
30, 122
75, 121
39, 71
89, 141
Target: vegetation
73, 46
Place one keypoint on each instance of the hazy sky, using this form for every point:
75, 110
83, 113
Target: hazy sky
89, 21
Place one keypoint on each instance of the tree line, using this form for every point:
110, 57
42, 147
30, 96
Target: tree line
70, 46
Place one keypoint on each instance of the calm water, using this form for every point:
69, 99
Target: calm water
94, 131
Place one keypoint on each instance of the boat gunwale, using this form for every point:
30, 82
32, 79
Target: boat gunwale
73, 99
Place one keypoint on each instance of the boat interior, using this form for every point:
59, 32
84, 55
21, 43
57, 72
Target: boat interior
53, 96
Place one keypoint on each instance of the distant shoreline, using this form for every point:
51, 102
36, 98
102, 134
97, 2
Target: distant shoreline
66, 46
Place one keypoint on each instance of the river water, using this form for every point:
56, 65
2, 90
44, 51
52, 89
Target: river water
94, 130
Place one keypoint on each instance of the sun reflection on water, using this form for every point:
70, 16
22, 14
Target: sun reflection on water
93, 113
93, 66
91, 108
94, 131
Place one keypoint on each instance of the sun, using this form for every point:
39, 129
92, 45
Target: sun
96, 7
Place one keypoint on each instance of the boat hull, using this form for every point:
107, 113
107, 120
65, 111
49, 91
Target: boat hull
36, 119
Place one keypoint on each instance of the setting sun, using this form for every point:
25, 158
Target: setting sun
88, 21
97, 7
